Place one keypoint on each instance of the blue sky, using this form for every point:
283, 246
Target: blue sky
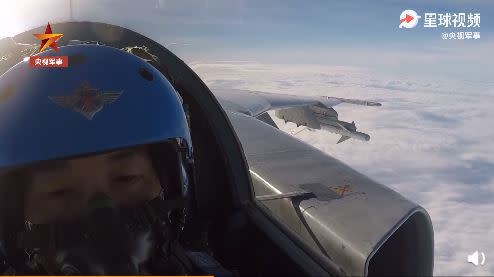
357, 33
303, 23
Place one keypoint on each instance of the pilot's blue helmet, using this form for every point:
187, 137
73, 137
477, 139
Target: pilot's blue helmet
105, 99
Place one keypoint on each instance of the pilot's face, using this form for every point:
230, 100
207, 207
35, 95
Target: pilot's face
59, 190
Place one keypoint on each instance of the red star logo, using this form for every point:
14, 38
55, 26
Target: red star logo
48, 39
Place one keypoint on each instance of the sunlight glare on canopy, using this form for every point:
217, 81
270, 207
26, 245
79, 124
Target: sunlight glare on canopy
21, 15
9, 19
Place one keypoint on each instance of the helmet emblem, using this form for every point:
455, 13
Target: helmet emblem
86, 100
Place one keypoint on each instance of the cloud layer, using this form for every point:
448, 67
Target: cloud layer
431, 141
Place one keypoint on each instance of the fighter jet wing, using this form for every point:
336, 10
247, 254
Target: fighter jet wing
254, 103
315, 112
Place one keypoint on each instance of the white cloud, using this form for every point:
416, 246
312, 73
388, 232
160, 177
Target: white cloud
431, 141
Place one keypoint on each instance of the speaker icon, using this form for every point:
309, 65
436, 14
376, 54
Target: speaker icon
474, 258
